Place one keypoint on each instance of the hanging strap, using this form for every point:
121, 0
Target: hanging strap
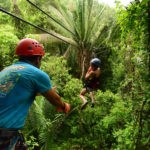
6, 134
21, 145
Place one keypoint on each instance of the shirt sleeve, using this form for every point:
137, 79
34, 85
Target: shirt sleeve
43, 82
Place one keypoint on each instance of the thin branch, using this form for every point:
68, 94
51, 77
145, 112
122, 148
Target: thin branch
83, 68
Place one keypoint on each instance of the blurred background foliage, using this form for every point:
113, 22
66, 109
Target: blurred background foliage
120, 37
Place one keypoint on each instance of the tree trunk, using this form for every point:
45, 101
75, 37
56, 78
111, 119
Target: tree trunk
84, 57
148, 33
141, 122
14, 2
16, 10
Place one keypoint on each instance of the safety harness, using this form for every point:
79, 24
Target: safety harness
92, 82
7, 136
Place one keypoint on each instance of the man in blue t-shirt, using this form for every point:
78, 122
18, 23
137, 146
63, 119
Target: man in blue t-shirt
19, 84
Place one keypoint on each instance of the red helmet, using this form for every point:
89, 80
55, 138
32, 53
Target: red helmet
29, 47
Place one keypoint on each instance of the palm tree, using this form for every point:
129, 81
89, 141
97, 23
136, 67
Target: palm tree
90, 24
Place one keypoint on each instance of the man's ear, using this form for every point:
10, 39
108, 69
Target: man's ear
38, 61
39, 58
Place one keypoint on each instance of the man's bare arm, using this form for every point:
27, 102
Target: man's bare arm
89, 74
97, 72
54, 98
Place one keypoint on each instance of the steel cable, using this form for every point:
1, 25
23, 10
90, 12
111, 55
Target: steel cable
50, 17
4, 11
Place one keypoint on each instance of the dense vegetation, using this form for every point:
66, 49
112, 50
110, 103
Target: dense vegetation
120, 38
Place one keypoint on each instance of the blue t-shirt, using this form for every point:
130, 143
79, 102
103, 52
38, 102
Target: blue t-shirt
19, 84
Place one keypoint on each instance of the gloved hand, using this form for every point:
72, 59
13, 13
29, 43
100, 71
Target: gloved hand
66, 108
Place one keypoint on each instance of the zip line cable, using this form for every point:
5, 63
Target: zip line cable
55, 19
4, 11
50, 17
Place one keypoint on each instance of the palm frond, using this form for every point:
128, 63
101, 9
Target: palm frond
68, 40
62, 19
95, 24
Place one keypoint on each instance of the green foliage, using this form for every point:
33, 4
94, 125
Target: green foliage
135, 41
5, 4
32, 143
72, 89
4, 19
91, 23
8, 42
42, 112
26, 11
119, 120
33, 36
92, 128
56, 69
125, 137
6, 28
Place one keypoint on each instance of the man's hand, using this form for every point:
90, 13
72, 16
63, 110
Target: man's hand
55, 99
89, 74
66, 108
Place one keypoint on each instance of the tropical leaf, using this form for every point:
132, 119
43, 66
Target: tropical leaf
68, 40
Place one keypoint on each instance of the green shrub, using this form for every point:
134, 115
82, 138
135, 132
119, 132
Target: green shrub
8, 42
56, 68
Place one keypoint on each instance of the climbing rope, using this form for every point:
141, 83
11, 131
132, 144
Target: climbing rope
56, 129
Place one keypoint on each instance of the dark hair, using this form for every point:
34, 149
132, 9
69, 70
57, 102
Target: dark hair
30, 59
94, 66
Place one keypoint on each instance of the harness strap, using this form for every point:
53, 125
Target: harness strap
21, 145
6, 134
5, 144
